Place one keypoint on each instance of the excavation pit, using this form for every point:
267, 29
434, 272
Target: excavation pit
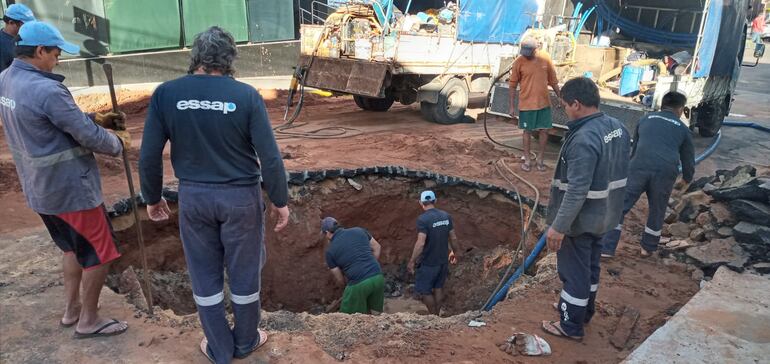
295, 277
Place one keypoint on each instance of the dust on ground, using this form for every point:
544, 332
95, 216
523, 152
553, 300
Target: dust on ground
31, 283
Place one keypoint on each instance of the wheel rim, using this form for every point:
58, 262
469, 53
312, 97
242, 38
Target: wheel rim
454, 103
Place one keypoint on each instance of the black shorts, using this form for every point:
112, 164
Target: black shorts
429, 277
87, 233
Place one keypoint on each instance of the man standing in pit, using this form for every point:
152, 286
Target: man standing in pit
534, 72
53, 145
353, 256
222, 146
586, 202
435, 246
661, 142
15, 16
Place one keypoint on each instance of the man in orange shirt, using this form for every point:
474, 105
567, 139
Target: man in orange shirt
758, 28
533, 72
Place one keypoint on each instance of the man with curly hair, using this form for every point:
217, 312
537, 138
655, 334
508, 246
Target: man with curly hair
223, 152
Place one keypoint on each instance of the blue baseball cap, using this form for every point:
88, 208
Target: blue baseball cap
329, 224
427, 196
20, 12
37, 33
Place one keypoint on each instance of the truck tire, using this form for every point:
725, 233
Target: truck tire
373, 104
452, 101
427, 111
709, 118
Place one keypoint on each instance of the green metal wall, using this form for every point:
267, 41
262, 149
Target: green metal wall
102, 27
140, 25
198, 15
270, 20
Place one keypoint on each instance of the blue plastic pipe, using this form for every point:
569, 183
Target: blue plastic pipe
583, 21
500, 295
747, 124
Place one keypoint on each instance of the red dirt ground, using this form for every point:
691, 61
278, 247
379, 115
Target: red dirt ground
397, 137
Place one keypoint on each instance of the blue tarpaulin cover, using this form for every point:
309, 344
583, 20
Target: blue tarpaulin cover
708, 44
487, 21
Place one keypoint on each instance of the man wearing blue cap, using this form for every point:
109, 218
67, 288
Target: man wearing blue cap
352, 258
435, 247
53, 145
15, 16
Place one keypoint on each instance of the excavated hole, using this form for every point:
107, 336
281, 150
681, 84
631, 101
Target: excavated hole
295, 277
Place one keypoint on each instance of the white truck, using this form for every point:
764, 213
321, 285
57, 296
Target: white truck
378, 54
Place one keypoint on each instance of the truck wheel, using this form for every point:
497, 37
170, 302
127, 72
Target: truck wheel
452, 101
373, 104
427, 111
710, 117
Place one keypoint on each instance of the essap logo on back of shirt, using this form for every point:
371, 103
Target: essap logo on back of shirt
223, 106
9, 103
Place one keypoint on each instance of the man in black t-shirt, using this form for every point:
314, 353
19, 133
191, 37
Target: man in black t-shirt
435, 247
352, 256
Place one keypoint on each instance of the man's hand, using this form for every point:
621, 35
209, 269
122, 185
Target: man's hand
111, 120
124, 136
410, 266
159, 211
283, 217
452, 258
554, 239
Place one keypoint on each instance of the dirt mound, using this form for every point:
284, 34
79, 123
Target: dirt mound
131, 102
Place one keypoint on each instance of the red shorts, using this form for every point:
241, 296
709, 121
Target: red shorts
87, 234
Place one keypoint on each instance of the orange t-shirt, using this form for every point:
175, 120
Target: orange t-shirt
533, 76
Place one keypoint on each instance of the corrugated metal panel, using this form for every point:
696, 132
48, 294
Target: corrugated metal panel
270, 20
139, 25
80, 21
199, 15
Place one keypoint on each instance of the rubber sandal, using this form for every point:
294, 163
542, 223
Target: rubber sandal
204, 349
98, 332
262, 340
63, 325
526, 167
541, 167
550, 327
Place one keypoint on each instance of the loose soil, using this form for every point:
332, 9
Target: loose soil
31, 283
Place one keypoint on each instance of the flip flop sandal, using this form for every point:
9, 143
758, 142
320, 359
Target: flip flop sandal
262, 340
541, 167
526, 167
99, 333
62, 324
204, 349
550, 327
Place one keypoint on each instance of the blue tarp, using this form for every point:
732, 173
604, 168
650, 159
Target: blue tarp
710, 39
486, 21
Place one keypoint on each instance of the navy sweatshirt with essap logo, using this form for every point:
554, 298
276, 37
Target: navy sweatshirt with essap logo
219, 133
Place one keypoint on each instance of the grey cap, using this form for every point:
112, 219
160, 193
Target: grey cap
527, 47
329, 224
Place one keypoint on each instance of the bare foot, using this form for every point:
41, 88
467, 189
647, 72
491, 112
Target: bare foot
71, 316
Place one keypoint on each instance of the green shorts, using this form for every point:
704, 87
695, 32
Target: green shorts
365, 296
536, 119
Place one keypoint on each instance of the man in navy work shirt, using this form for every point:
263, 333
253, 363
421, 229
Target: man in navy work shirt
586, 202
661, 142
53, 145
222, 145
352, 255
15, 16
435, 247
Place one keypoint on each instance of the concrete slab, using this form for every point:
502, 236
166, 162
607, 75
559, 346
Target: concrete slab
728, 321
